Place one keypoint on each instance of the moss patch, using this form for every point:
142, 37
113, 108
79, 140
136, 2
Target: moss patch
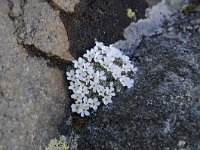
78, 122
187, 8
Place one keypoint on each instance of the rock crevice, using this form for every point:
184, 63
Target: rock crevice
36, 23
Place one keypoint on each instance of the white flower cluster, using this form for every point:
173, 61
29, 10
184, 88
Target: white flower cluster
91, 78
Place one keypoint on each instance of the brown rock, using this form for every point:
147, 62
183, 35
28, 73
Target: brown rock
43, 28
32, 95
65, 5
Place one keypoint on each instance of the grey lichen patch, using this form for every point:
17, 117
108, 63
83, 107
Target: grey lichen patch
144, 27
59, 144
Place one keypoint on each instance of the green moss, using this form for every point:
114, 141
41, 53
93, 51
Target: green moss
78, 122
60, 144
130, 13
189, 7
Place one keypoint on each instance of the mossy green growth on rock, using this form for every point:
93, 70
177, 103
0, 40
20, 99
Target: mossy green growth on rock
130, 13
189, 7
78, 122
58, 144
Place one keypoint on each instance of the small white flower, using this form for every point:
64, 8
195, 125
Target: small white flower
84, 110
126, 81
72, 86
134, 69
70, 75
101, 90
101, 75
94, 86
116, 71
89, 55
94, 103
85, 99
75, 63
96, 78
87, 80
79, 63
109, 67
105, 49
122, 80
95, 49
114, 52
83, 90
75, 107
125, 59
80, 74
106, 100
77, 97
91, 73
88, 68
107, 62
75, 86
98, 57
104, 64
126, 68
110, 91
129, 83
99, 44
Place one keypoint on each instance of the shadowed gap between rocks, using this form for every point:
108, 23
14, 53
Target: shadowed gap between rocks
52, 4
53, 61
101, 20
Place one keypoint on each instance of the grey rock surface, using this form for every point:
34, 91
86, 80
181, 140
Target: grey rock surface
162, 111
33, 96
156, 17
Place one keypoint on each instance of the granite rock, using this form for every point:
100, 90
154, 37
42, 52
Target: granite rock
40, 25
65, 5
33, 97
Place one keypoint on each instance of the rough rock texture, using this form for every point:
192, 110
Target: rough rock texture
162, 111
156, 17
65, 5
33, 97
133, 34
40, 25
